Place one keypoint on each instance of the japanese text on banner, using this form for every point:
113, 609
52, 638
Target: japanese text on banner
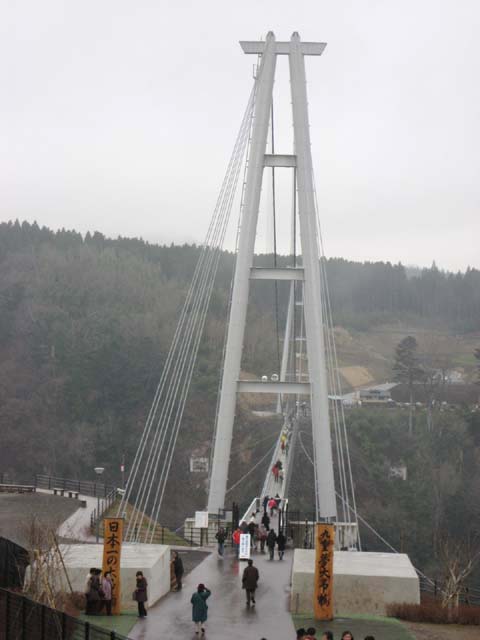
112, 550
323, 587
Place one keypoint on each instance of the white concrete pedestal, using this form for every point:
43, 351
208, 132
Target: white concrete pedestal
152, 559
363, 582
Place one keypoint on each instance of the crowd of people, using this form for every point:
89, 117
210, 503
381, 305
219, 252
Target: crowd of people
310, 634
98, 592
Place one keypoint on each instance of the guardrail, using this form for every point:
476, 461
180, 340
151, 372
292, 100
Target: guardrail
83, 487
25, 619
104, 504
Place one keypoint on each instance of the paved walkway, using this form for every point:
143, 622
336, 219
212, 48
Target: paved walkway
228, 616
77, 526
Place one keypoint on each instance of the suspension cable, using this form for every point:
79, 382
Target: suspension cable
181, 357
277, 323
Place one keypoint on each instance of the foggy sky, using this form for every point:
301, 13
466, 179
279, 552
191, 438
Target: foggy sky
120, 116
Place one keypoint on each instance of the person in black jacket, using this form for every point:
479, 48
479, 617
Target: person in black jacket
249, 582
221, 536
271, 540
178, 570
281, 543
141, 595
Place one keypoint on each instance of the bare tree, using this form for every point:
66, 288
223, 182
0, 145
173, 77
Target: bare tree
459, 558
46, 573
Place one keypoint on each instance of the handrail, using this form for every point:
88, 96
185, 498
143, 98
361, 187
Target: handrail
105, 503
83, 487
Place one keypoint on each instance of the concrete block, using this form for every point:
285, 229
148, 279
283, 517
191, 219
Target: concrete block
152, 559
363, 583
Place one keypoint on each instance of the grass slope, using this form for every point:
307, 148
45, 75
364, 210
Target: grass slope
162, 535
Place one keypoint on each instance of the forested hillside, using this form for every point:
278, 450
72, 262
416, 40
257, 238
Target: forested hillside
86, 323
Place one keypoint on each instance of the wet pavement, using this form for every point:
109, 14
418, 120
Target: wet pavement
228, 615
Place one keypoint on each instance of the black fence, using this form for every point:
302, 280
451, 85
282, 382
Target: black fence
24, 619
104, 504
83, 487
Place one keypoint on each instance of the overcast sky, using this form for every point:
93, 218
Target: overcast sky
120, 116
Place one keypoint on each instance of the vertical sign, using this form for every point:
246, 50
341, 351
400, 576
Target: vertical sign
112, 549
244, 549
323, 585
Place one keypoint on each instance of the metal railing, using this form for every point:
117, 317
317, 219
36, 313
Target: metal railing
25, 619
83, 487
105, 504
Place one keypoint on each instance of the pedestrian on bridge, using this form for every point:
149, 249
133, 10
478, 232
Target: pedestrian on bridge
271, 540
281, 543
262, 535
266, 521
178, 570
200, 608
249, 582
236, 540
265, 503
221, 537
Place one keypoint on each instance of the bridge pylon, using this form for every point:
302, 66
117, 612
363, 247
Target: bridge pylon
308, 274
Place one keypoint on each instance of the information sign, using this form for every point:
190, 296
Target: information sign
201, 519
244, 550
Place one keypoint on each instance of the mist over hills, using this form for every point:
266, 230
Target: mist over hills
86, 323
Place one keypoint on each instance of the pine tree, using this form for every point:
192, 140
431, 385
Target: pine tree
407, 369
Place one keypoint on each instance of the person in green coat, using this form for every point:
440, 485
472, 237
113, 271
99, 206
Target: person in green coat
200, 608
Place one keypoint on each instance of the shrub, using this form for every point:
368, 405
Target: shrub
431, 610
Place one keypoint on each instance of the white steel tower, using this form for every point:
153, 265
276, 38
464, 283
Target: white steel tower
309, 274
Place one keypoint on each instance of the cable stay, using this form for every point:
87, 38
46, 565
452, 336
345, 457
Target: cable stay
150, 469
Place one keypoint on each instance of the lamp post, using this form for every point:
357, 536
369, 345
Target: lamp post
98, 471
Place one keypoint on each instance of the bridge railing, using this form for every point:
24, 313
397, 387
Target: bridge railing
104, 504
83, 487
22, 618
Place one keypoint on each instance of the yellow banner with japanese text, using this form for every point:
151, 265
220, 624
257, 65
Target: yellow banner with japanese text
112, 551
323, 585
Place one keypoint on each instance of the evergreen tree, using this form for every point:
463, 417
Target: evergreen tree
407, 369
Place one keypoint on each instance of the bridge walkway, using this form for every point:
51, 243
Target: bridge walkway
228, 615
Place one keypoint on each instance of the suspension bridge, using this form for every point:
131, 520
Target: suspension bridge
307, 380
306, 377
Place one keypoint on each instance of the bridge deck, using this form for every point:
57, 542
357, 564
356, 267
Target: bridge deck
228, 616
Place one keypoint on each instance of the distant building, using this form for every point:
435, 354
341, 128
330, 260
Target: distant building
379, 394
